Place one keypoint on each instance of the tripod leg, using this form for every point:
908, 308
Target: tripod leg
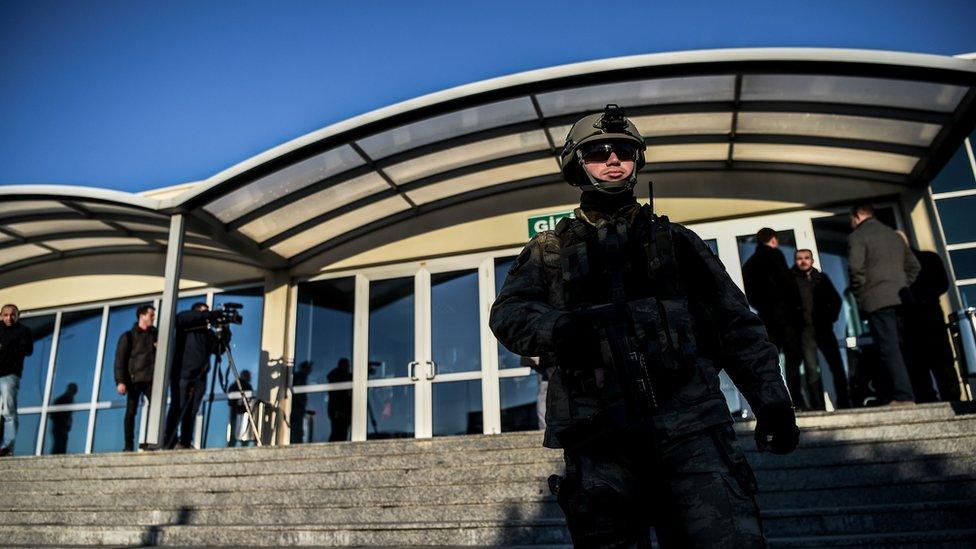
244, 400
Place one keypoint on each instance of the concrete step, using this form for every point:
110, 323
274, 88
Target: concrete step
863, 519
838, 475
941, 515
796, 489
453, 533
430, 453
948, 539
819, 428
805, 456
893, 492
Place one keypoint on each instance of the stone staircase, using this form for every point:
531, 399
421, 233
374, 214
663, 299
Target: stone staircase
881, 478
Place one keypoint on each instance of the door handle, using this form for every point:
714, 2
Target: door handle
412, 370
432, 370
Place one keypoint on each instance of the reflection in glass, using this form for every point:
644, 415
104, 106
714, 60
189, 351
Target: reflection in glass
324, 328
321, 417
456, 408
66, 432
76, 354
968, 293
506, 358
120, 321
455, 329
246, 340
390, 412
109, 435
391, 327
787, 245
956, 215
518, 403
216, 429
956, 175
25, 443
712, 245
831, 236
34, 378
964, 263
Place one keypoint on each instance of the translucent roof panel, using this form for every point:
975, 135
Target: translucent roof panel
851, 89
81, 243
340, 225
465, 155
57, 226
17, 207
17, 253
447, 126
687, 153
662, 125
826, 156
99, 207
271, 187
659, 91
482, 179
314, 205
838, 126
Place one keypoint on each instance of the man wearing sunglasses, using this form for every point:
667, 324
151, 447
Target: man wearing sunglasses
640, 316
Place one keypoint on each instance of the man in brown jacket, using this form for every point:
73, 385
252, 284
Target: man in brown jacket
881, 269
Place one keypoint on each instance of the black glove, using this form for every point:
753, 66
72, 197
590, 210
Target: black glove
776, 429
577, 343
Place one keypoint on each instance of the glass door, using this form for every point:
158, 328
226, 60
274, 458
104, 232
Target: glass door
424, 352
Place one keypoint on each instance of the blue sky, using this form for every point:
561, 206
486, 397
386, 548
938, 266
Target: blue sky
138, 94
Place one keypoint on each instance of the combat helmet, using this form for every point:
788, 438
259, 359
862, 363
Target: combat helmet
610, 125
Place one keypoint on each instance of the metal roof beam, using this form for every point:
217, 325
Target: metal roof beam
76, 235
206, 223
109, 250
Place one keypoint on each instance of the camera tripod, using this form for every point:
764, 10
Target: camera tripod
223, 342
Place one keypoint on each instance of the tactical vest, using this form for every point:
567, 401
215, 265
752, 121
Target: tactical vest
624, 275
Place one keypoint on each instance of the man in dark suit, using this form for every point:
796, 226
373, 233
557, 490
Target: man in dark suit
821, 306
772, 292
881, 268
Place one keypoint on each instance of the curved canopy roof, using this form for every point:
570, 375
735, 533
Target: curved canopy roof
848, 114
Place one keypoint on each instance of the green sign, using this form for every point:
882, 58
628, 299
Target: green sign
547, 222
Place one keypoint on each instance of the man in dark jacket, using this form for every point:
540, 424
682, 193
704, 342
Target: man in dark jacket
821, 306
928, 353
16, 342
195, 343
634, 398
135, 356
771, 290
881, 268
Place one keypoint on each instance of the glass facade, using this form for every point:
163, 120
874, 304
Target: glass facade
954, 193
84, 344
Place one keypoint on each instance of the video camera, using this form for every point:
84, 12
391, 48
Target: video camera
227, 314
221, 319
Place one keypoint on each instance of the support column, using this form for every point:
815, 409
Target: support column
167, 330
274, 378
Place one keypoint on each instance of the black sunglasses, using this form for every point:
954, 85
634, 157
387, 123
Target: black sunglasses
600, 152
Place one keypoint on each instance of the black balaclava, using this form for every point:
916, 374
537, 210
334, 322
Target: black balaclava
606, 203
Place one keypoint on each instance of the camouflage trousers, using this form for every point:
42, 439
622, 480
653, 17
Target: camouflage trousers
697, 491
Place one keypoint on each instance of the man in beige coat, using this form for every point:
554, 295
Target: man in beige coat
881, 269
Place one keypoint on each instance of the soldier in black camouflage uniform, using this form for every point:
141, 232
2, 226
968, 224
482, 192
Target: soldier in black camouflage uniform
639, 316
